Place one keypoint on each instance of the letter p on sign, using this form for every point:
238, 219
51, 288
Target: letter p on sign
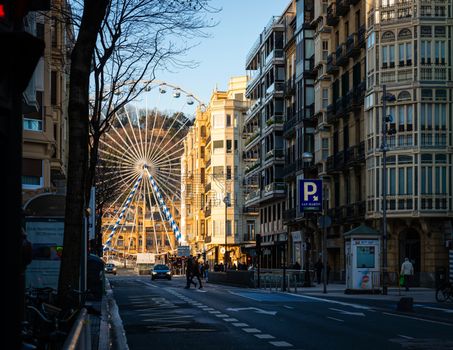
310, 188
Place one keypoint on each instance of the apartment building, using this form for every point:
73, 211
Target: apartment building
408, 49
263, 131
212, 168
45, 105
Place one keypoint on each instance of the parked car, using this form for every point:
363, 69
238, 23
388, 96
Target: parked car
110, 268
160, 271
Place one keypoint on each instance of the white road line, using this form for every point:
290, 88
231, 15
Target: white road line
405, 336
240, 324
222, 315
330, 301
335, 319
281, 344
436, 308
209, 309
419, 319
264, 336
288, 307
251, 330
231, 319
201, 291
214, 312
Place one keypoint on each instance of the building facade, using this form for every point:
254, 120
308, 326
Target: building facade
45, 106
212, 169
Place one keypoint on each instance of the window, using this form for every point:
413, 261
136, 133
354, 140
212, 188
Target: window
228, 228
218, 170
325, 49
235, 145
228, 172
218, 121
218, 146
325, 98
229, 146
34, 121
325, 148
250, 230
439, 51
228, 120
32, 173
425, 52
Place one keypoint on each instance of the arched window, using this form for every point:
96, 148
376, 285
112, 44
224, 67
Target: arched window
388, 36
120, 241
404, 96
404, 34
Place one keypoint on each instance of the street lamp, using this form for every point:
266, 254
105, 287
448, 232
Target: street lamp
307, 157
386, 97
227, 202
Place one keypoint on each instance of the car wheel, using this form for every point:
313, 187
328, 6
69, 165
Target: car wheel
114, 273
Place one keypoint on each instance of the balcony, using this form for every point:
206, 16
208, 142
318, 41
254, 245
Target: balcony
352, 45
359, 93
331, 114
274, 189
252, 138
397, 12
361, 36
274, 120
332, 66
290, 86
342, 7
336, 163
275, 154
332, 17
355, 155
250, 210
255, 165
252, 197
248, 237
340, 54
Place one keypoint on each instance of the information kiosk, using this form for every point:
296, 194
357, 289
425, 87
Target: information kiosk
362, 252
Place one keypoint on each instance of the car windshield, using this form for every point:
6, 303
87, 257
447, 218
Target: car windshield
160, 267
110, 265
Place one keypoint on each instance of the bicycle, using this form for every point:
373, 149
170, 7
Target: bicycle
444, 292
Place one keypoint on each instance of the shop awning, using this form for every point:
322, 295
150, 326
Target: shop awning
362, 230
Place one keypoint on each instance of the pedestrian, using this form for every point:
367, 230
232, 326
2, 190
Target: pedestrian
296, 266
196, 272
318, 267
189, 273
407, 270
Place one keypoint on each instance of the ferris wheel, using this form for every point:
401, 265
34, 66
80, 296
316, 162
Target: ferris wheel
140, 157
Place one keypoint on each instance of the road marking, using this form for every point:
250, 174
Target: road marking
288, 307
231, 319
435, 308
251, 330
214, 312
330, 301
344, 312
257, 310
201, 291
418, 319
264, 336
209, 309
222, 315
405, 336
335, 319
281, 344
240, 324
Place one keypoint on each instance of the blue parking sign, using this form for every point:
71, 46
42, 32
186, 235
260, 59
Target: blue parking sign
310, 195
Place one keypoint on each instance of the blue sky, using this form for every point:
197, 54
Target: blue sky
223, 54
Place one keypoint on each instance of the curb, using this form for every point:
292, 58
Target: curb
104, 328
117, 336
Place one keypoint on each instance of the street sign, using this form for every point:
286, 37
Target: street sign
184, 250
310, 195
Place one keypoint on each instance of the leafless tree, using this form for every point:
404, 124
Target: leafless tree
119, 43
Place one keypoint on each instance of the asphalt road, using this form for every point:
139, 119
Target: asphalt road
163, 315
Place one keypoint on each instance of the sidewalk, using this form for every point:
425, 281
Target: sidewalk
420, 295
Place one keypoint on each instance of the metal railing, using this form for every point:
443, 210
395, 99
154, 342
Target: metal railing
80, 336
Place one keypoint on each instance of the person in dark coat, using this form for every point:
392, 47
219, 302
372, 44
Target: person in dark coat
196, 272
189, 273
318, 267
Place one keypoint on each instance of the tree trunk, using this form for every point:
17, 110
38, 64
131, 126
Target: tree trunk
81, 58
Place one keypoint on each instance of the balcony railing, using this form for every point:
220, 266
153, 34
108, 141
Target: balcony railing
254, 136
248, 237
275, 187
341, 56
274, 120
331, 115
340, 106
275, 154
332, 17
252, 196
397, 12
255, 165
342, 7
352, 45
335, 163
331, 64
361, 37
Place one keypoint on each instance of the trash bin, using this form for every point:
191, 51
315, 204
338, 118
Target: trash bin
95, 277
440, 276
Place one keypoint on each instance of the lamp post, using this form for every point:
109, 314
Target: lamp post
307, 157
384, 148
226, 200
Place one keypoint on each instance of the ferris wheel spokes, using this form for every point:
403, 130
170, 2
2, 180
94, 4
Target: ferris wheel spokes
125, 152
133, 146
131, 126
151, 213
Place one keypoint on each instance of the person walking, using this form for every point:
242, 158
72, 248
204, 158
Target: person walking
189, 273
318, 267
196, 273
407, 270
